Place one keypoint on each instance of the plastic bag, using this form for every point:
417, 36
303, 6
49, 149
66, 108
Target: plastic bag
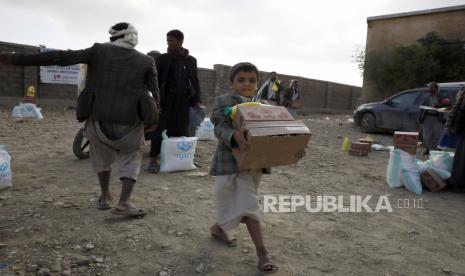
177, 153
196, 117
398, 160
423, 166
410, 178
205, 131
5, 169
441, 160
27, 110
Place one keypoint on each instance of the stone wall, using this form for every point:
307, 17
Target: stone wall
317, 95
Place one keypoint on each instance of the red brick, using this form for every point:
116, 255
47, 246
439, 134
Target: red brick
405, 138
358, 152
360, 146
363, 140
412, 149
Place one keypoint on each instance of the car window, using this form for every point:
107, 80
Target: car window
421, 98
405, 99
450, 92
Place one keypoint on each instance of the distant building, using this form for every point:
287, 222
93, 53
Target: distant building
406, 28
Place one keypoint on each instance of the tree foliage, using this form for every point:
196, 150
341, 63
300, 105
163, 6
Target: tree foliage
398, 68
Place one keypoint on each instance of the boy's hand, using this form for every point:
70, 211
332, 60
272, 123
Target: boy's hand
150, 128
302, 154
241, 139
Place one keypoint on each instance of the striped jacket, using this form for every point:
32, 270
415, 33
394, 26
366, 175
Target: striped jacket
223, 160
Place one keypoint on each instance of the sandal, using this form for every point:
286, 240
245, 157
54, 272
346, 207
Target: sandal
153, 167
129, 212
102, 205
224, 239
267, 267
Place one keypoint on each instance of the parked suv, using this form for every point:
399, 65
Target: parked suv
401, 111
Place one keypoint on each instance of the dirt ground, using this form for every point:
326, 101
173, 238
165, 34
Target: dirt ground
49, 223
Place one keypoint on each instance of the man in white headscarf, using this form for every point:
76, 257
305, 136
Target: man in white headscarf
115, 105
271, 89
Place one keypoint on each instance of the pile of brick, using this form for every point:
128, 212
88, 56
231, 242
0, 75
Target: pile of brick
406, 141
360, 148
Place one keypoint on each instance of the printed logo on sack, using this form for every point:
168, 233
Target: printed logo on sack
184, 145
208, 125
3, 167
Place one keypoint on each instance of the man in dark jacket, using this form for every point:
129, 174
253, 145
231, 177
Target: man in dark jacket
115, 105
179, 90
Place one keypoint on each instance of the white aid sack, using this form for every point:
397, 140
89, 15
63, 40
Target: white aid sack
205, 131
177, 153
27, 110
398, 160
5, 169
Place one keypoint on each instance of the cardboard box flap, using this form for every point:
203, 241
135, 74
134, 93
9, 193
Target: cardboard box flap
264, 113
273, 128
275, 131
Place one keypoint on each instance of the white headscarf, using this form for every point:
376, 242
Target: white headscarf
129, 39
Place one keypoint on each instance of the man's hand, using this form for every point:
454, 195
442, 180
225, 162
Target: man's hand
241, 139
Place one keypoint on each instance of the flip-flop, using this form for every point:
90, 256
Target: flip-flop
268, 267
102, 205
153, 168
129, 212
229, 242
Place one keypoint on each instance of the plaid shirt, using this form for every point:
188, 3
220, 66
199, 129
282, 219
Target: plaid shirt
224, 161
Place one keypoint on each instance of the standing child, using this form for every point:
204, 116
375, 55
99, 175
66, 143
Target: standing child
235, 194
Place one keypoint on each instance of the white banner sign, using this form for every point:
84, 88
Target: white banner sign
59, 74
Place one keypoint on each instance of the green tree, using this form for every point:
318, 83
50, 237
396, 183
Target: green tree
399, 67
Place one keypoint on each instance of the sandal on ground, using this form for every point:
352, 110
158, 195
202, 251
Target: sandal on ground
267, 267
102, 205
153, 168
129, 212
224, 239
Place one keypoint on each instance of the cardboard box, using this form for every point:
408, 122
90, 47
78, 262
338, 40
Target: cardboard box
405, 138
261, 113
355, 152
412, 149
276, 139
432, 181
360, 146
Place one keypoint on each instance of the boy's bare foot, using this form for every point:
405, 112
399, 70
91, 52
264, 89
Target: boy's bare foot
266, 265
222, 236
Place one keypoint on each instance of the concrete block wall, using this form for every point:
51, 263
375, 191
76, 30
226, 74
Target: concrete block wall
317, 95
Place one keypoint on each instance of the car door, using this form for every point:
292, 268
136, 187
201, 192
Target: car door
396, 113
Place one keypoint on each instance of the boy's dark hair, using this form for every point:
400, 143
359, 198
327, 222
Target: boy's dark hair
177, 34
243, 67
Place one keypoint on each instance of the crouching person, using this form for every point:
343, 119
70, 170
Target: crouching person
235, 193
115, 105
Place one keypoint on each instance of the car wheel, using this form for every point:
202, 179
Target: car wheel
368, 122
